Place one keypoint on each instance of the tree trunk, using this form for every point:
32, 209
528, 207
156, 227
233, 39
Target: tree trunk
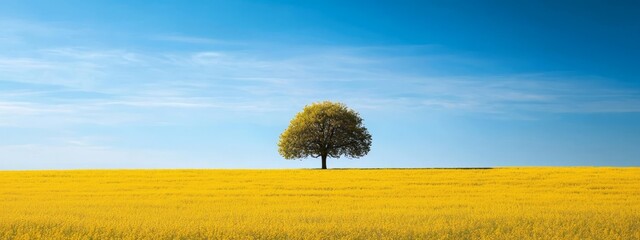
324, 161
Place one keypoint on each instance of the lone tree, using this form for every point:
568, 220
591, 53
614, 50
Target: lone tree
325, 129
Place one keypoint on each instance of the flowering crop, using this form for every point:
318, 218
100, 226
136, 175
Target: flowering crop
513, 203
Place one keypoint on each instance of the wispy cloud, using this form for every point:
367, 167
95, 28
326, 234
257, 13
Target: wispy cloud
92, 92
23, 64
208, 79
26, 108
88, 83
192, 40
87, 54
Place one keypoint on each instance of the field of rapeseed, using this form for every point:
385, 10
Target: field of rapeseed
514, 203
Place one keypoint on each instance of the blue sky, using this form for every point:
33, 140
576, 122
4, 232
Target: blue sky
212, 84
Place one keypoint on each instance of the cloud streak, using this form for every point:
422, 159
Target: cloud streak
204, 79
192, 40
85, 82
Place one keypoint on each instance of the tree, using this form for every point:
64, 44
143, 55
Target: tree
325, 129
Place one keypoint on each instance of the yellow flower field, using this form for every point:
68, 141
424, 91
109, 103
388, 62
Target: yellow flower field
502, 203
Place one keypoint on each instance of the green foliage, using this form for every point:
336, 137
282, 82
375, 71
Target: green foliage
325, 129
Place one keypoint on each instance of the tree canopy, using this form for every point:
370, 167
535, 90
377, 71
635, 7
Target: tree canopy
325, 129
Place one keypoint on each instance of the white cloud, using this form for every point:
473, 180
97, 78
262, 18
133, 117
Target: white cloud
23, 64
26, 108
68, 83
124, 85
192, 40
240, 81
85, 54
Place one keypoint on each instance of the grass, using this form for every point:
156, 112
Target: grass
513, 203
